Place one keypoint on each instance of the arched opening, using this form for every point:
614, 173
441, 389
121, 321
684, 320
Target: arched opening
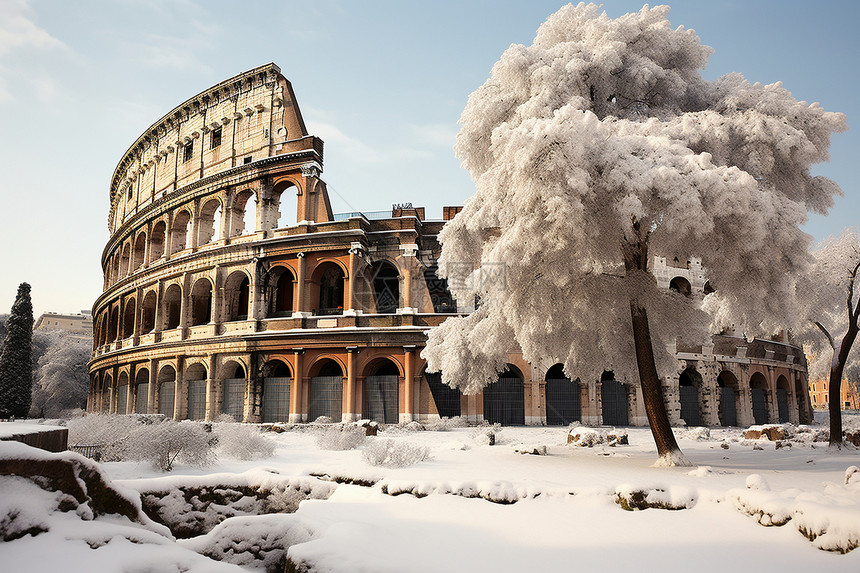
147, 312
141, 391
209, 222
106, 389
504, 402
728, 410
280, 288
180, 231
437, 289
563, 398
327, 284
139, 253
708, 289
381, 392
122, 394
283, 209
172, 306
113, 324
613, 398
156, 241
386, 287
233, 387
276, 392
447, 399
681, 285
237, 296
326, 392
758, 388
124, 261
249, 215
128, 319
166, 391
689, 383
115, 264
195, 378
782, 392
201, 302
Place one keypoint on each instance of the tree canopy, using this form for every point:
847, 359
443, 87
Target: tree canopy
16, 373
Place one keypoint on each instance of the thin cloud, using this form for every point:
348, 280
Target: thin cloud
18, 30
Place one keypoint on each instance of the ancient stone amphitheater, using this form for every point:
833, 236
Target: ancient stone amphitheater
230, 287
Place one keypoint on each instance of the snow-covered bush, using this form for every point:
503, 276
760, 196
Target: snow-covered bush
323, 420
584, 437
106, 431
340, 437
394, 453
698, 433
242, 442
445, 424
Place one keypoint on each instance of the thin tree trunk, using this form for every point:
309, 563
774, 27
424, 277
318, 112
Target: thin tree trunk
834, 392
635, 255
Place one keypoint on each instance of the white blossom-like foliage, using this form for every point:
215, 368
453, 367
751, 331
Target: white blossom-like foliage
598, 123
823, 298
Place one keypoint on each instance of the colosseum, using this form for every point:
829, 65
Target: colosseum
230, 287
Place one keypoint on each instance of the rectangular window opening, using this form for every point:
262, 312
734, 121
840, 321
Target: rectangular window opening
188, 151
216, 138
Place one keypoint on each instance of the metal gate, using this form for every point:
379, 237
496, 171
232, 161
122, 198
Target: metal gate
614, 403
727, 410
165, 398
759, 404
234, 398
141, 398
381, 395
504, 402
690, 405
276, 399
447, 399
782, 404
326, 398
122, 399
196, 399
563, 404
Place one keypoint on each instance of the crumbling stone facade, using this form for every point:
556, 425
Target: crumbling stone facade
230, 287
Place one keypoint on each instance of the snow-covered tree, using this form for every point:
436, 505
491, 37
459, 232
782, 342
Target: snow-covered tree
829, 315
16, 372
60, 374
595, 147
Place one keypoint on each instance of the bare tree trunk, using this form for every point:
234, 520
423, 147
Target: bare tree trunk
834, 392
635, 254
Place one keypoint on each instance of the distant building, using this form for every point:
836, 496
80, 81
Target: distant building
819, 394
81, 323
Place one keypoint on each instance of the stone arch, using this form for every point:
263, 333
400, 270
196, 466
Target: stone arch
139, 252
107, 387
147, 312
689, 393
385, 280
166, 390
275, 401
172, 306
447, 399
237, 296
113, 324
504, 399
157, 241
201, 302
563, 397
327, 288
195, 381
381, 395
128, 316
783, 392
244, 215
280, 286
437, 289
125, 261
681, 285
729, 392
283, 214
613, 398
758, 390
180, 231
233, 384
115, 266
208, 221
141, 391
122, 393
326, 389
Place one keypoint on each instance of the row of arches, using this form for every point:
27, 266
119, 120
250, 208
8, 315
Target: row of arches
227, 214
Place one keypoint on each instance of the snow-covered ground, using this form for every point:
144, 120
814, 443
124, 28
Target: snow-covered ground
476, 507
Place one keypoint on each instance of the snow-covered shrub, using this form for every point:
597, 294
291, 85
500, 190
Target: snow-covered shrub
162, 444
107, 431
394, 453
340, 437
323, 420
445, 424
242, 442
698, 433
584, 437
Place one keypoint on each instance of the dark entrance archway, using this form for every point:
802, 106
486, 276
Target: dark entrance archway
447, 399
381, 393
758, 389
563, 403
326, 392
728, 412
613, 400
503, 399
276, 392
689, 383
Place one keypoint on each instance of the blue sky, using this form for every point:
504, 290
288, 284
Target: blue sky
382, 82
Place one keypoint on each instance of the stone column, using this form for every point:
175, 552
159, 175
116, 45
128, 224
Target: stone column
213, 384
772, 403
349, 413
152, 399
408, 413
179, 405
297, 387
744, 412
356, 252
299, 294
409, 253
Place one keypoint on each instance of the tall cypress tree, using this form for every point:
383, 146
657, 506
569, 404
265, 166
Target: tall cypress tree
16, 369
